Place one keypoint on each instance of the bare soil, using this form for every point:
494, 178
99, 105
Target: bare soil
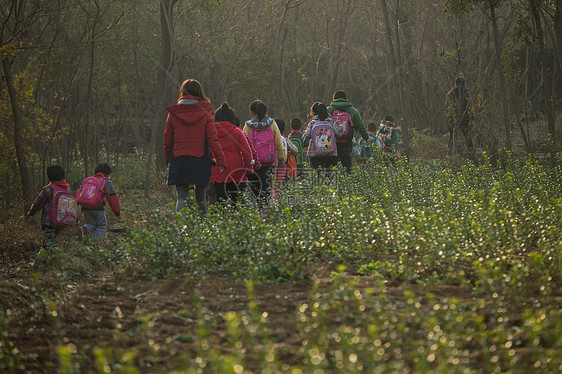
117, 309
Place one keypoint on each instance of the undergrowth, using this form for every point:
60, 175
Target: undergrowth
492, 231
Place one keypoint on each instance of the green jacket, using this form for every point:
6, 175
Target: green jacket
358, 124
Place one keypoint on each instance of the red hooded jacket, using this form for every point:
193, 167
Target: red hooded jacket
110, 194
237, 152
186, 128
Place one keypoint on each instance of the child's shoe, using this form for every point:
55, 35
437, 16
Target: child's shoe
83, 231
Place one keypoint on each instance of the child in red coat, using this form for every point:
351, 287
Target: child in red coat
238, 155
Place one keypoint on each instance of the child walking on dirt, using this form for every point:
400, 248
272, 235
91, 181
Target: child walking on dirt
94, 211
44, 202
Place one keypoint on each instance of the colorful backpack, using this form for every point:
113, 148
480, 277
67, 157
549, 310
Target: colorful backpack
343, 126
64, 211
298, 142
385, 135
323, 139
90, 194
263, 141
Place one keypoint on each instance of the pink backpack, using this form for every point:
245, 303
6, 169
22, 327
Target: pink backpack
322, 139
64, 210
90, 194
343, 126
263, 141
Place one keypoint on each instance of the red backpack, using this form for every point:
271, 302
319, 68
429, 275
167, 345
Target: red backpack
90, 194
64, 210
291, 166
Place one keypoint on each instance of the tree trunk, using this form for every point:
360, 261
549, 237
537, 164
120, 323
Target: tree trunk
556, 75
18, 129
395, 56
403, 122
503, 97
547, 73
525, 131
339, 40
166, 24
390, 45
558, 36
278, 47
157, 137
86, 124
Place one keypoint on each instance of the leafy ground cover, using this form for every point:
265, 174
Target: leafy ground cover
415, 268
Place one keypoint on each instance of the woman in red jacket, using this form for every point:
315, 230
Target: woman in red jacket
239, 160
190, 132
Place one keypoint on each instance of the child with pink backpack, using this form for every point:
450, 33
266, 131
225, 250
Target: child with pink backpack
92, 195
346, 120
266, 140
58, 210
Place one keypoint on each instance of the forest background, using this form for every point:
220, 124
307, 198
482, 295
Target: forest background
426, 267
88, 81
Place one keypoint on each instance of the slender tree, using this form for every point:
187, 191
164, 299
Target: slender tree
163, 71
547, 70
18, 16
396, 57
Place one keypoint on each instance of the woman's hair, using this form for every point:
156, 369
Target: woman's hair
55, 173
312, 112
104, 168
259, 108
388, 119
192, 87
296, 124
319, 109
224, 113
339, 94
280, 124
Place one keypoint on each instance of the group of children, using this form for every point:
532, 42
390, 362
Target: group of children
266, 158
322, 145
384, 140
203, 148
59, 207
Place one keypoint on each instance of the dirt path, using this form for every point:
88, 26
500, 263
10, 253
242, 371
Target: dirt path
132, 313
157, 320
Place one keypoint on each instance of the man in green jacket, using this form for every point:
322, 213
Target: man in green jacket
344, 148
